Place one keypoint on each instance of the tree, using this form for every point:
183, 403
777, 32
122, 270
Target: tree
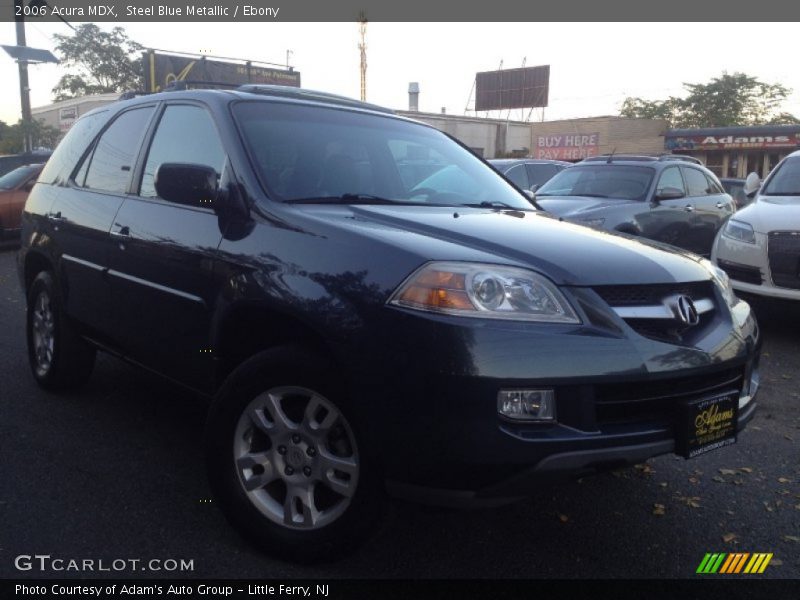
736, 99
12, 137
101, 62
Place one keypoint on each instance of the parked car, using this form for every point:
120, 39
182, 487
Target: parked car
735, 189
759, 248
14, 189
444, 341
528, 173
670, 199
10, 162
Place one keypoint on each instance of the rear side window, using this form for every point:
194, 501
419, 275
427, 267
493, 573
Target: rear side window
713, 186
696, 182
541, 174
72, 147
185, 134
112, 160
518, 176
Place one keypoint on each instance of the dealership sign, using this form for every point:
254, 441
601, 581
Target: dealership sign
567, 146
732, 142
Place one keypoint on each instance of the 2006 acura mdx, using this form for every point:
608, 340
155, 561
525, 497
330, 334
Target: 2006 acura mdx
359, 331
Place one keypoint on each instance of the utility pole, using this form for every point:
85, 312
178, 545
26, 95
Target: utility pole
24, 87
362, 29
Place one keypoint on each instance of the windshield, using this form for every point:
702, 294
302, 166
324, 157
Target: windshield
315, 154
12, 179
600, 181
786, 179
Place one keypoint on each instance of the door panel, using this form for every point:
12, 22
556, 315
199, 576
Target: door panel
671, 221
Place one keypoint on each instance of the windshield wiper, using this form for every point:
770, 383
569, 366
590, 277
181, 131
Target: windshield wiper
347, 199
492, 204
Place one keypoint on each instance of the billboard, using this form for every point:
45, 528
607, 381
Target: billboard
528, 87
566, 146
162, 69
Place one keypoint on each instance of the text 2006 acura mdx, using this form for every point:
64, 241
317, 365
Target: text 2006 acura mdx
370, 306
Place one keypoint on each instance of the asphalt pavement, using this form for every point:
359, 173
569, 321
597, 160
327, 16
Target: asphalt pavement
115, 472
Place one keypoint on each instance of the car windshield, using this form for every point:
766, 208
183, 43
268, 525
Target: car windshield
620, 182
326, 155
786, 180
12, 179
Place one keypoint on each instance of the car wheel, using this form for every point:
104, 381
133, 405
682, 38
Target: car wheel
287, 460
60, 359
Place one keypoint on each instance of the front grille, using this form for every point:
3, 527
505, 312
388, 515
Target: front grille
647, 295
659, 400
668, 330
783, 251
742, 273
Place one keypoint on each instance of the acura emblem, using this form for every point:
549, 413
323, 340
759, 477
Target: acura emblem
685, 310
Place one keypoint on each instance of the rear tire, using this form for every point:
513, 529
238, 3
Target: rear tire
60, 359
287, 458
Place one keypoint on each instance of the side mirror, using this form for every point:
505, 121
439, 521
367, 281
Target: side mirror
530, 194
192, 185
534, 187
668, 193
29, 185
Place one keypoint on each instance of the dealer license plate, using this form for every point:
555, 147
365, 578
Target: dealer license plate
707, 424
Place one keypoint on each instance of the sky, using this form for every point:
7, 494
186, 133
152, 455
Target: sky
594, 66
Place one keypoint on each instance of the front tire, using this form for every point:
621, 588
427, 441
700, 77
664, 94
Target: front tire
60, 359
287, 459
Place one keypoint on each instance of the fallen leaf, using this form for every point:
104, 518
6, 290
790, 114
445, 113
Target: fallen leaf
784, 480
797, 506
788, 437
563, 518
663, 484
746, 469
658, 509
730, 512
776, 562
785, 376
727, 472
738, 482
694, 480
729, 537
791, 538
718, 479
767, 506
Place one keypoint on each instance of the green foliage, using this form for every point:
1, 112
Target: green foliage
100, 62
736, 99
12, 137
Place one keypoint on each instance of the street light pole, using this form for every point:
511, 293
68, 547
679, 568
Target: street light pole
24, 88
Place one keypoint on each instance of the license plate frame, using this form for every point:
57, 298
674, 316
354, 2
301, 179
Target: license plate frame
707, 423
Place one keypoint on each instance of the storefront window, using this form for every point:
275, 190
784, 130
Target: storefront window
733, 165
714, 163
755, 162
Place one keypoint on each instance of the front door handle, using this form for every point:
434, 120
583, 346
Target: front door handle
720, 205
688, 208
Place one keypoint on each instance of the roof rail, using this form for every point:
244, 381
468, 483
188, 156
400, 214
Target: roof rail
285, 91
681, 157
183, 84
611, 157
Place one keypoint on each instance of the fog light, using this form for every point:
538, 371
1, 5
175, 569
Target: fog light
527, 405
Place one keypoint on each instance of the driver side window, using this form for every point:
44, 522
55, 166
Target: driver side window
670, 181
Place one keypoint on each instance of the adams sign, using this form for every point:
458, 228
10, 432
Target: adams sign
732, 142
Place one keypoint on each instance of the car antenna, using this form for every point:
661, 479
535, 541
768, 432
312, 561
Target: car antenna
611, 156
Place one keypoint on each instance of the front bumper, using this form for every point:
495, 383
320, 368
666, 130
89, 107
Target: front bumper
434, 413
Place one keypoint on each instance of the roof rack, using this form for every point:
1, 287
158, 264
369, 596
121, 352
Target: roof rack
130, 94
285, 91
643, 158
183, 84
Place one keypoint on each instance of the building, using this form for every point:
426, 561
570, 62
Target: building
64, 113
736, 151
572, 139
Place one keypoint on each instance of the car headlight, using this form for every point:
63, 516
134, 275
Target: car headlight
740, 231
484, 291
723, 282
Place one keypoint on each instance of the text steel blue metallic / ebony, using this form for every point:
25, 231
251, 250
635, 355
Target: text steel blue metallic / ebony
363, 326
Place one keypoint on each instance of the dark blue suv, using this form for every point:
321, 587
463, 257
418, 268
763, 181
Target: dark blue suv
360, 326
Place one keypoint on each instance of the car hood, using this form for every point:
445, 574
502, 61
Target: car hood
576, 206
566, 253
771, 213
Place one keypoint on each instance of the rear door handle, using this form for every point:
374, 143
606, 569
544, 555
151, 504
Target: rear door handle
720, 205
688, 208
